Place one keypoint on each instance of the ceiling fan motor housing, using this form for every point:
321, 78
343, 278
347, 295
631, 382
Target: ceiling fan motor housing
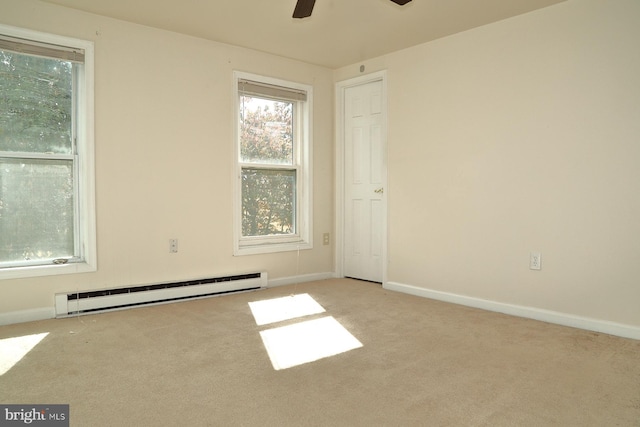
305, 7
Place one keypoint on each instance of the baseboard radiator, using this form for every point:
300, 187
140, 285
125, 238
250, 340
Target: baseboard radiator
76, 303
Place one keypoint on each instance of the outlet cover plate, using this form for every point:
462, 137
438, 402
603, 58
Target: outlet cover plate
535, 261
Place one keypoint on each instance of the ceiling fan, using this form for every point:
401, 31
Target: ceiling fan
305, 7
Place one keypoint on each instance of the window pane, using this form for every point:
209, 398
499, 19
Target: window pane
268, 202
36, 107
266, 131
36, 210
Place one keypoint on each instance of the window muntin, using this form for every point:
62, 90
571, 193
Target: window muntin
46, 163
273, 155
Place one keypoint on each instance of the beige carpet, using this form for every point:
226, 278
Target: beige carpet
422, 363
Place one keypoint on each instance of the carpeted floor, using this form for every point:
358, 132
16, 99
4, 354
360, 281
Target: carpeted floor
420, 363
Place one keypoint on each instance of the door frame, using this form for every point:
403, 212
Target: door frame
341, 87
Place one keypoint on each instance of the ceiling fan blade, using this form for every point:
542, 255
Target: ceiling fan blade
303, 8
401, 2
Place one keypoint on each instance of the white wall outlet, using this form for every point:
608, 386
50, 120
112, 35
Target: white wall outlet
173, 246
535, 261
325, 238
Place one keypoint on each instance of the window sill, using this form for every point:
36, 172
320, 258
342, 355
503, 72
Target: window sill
46, 270
265, 248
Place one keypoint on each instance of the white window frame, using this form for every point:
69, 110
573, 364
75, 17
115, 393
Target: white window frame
85, 224
302, 239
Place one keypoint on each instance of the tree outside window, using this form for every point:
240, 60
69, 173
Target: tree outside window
36, 158
273, 187
268, 192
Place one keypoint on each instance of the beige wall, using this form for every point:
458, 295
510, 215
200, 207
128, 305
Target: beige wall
520, 136
164, 129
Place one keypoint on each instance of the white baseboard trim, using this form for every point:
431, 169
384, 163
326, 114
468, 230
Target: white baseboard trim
30, 315
564, 319
283, 281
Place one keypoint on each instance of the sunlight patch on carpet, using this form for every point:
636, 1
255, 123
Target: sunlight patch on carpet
12, 350
285, 308
307, 341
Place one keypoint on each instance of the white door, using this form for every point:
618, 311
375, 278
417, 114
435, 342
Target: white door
364, 163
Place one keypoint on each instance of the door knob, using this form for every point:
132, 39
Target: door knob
379, 190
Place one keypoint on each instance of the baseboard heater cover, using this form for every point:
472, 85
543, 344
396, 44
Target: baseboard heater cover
76, 303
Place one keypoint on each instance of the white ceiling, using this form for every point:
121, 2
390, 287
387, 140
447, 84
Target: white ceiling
339, 33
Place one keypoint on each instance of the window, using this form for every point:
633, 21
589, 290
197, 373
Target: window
47, 216
273, 158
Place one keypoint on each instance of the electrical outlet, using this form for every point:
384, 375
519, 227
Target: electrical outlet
325, 238
535, 261
173, 246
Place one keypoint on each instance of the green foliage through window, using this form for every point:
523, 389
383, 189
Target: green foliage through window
266, 149
37, 206
36, 107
